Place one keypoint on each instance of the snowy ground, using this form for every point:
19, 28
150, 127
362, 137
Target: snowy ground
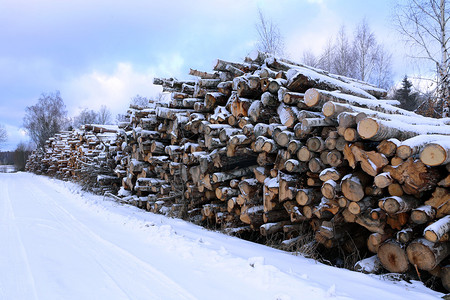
59, 243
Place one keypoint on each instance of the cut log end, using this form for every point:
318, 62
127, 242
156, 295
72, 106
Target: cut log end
393, 257
426, 255
328, 109
368, 128
434, 155
312, 97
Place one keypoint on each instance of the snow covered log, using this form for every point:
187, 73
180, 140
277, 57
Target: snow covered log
437, 230
301, 79
436, 153
326, 148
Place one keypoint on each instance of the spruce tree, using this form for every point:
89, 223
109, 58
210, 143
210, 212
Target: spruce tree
408, 98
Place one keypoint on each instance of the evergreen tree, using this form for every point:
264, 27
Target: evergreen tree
408, 99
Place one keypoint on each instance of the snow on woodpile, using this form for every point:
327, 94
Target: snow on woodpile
85, 155
278, 148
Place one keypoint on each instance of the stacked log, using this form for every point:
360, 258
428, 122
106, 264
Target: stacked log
279, 148
85, 155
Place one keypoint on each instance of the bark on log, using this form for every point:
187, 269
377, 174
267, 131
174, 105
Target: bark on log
426, 255
423, 214
445, 277
330, 189
388, 147
258, 113
271, 228
383, 180
308, 196
435, 154
295, 166
377, 130
395, 205
434, 232
224, 176
370, 265
376, 239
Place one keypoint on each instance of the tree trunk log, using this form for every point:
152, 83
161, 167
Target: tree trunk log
353, 186
392, 255
423, 214
426, 255
437, 230
435, 154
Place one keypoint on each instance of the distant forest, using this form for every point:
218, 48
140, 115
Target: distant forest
17, 158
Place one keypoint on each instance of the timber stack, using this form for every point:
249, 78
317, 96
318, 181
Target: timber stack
279, 148
85, 155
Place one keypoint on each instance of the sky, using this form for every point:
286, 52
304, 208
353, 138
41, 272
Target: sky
104, 52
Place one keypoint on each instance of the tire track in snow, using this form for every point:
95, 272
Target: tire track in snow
111, 257
40, 194
14, 242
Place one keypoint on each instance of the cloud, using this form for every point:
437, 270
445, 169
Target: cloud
97, 88
15, 136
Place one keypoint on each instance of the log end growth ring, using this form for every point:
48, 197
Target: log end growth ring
421, 255
312, 97
393, 257
328, 109
368, 128
433, 155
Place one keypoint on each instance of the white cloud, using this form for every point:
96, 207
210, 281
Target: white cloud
15, 136
97, 88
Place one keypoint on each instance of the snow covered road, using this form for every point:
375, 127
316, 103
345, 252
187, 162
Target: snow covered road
59, 243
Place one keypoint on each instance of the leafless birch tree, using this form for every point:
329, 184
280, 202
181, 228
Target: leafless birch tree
104, 115
270, 39
45, 118
86, 116
359, 56
425, 25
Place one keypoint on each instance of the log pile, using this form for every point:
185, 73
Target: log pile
278, 148
85, 155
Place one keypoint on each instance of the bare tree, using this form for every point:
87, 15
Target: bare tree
425, 25
122, 118
86, 116
372, 62
45, 118
365, 47
3, 135
140, 101
310, 59
327, 57
344, 56
359, 56
270, 39
104, 115
382, 71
